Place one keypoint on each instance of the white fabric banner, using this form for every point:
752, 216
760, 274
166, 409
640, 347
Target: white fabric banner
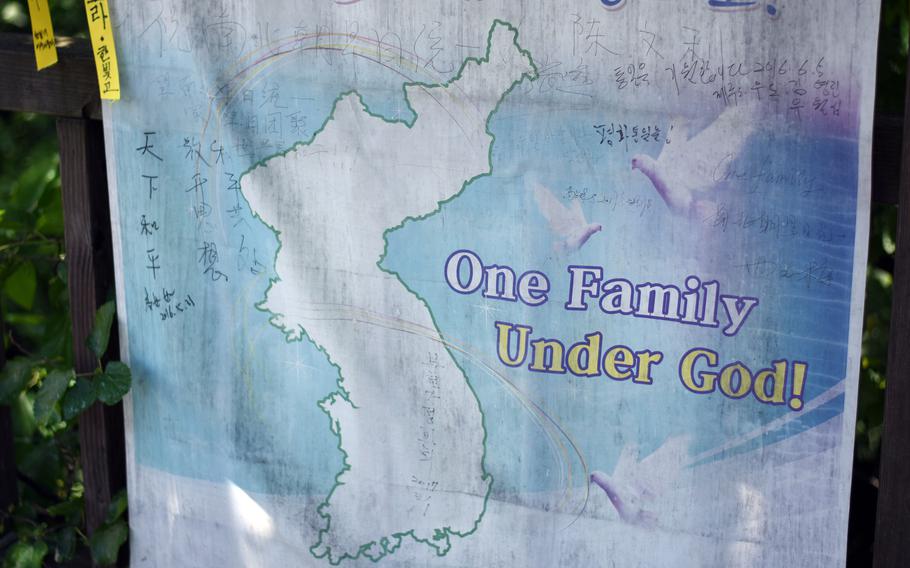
490, 283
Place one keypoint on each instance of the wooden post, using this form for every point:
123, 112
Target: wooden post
9, 492
9, 489
87, 227
892, 530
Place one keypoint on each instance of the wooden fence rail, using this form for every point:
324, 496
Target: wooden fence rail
69, 92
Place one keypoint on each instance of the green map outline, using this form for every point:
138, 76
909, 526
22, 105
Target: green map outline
440, 541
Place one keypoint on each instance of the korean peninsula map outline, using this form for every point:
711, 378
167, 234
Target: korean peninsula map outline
344, 330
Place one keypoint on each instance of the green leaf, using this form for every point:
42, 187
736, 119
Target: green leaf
52, 389
23, 414
65, 547
61, 271
78, 398
14, 378
117, 507
20, 285
101, 332
114, 382
106, 542
41, 462
25, 555
65, 508
50, 223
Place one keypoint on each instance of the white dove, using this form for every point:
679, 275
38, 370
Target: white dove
689, 167
568, 223
635, 486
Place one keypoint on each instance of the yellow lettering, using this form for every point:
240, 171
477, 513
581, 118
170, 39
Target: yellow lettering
687, 366
504, 331
591, 350
618, 363
743, 386
778, 377
645, 360
542, 348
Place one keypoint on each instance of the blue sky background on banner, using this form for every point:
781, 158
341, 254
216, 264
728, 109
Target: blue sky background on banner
803, 316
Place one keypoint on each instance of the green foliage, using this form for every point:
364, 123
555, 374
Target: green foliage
101, 332
107, 540
46, 399
892, 57
114, 383
67, 15
80, 397
49, 394
20, 285
38, 383
26, 555
14, 378
870, 410
890, 97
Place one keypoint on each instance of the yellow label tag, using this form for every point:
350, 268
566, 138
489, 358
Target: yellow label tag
99, 27
42, 33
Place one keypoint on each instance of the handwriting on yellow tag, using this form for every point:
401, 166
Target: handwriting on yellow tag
42, 33
99, 28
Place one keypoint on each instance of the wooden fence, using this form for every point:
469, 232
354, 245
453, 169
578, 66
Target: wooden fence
69, 92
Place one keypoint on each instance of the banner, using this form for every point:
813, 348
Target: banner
491, 283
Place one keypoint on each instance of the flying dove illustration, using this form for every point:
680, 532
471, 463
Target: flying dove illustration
636, 486
686, 168
568, 223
